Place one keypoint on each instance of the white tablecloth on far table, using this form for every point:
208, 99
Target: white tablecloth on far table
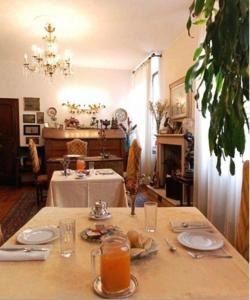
164, 276
67, 191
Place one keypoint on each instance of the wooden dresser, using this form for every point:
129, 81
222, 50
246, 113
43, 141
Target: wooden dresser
56, 139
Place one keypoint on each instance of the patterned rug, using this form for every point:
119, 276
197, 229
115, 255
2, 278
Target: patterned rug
20, 214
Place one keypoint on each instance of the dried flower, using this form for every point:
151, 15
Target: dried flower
159, 110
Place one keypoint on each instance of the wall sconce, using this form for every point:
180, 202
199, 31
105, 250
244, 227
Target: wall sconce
78, 109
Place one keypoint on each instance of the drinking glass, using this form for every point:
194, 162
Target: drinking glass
91, 168
80, 165
150, 209
114, 255
67, 236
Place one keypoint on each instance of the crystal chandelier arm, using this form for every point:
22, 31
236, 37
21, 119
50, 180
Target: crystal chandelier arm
46, 60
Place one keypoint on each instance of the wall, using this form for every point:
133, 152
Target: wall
175, 61
86, 85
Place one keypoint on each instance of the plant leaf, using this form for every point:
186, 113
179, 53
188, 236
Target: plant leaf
199, 4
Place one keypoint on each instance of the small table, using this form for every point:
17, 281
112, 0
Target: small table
68, 191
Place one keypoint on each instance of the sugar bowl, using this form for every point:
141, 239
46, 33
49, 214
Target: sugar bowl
99, 210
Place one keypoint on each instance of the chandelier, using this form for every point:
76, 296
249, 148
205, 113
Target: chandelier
47, 60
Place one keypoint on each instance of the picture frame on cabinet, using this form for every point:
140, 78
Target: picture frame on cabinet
31, 104
31, 129
29, 118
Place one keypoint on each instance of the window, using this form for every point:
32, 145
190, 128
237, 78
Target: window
155, 88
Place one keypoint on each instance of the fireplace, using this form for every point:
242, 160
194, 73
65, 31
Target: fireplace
171, 150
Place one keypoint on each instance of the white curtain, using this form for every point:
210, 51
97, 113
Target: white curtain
139, 111
218, 197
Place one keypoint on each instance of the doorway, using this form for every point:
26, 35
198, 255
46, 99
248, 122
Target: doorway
9, 140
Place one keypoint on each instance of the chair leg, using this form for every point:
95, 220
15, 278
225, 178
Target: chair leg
37, 195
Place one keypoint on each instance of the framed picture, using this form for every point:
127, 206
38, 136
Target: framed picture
180, 101
34, 138
31, 129
40, 117
29, 118
31, 104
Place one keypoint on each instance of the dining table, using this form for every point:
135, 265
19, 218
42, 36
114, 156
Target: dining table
163, 275
75, 191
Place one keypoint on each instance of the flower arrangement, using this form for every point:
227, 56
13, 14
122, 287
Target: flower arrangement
159, 110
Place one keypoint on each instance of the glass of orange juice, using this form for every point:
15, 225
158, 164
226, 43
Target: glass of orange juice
80, 165
114, 264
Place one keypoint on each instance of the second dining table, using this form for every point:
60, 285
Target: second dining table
73, 191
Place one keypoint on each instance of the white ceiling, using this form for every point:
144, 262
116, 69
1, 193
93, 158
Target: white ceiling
116, 34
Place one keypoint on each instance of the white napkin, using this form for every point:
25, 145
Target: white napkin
178, 226
21, 255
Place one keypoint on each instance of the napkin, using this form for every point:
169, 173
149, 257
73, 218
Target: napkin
21, 255
178, 226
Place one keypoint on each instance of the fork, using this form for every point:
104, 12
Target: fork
200, 255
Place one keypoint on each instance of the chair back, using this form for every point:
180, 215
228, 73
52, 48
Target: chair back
242, 232
77, 146
134, 160
34, 156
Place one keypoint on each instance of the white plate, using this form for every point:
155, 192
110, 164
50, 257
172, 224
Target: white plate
121, 115
41, 235
93, 217
200, 240
105, 172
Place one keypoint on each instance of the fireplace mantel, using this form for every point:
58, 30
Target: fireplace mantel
169, 139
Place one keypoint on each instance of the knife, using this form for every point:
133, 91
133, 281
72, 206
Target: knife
26, 249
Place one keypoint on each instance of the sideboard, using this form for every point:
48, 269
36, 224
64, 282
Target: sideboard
55, 143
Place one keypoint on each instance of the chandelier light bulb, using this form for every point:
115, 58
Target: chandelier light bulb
67, 54
47, 60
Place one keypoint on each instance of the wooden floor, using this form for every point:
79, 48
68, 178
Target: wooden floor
9, 195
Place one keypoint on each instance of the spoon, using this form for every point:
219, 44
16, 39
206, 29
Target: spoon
170, 246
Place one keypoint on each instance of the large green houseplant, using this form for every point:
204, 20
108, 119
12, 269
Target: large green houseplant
221, 67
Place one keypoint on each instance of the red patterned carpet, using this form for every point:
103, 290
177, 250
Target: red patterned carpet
20, 213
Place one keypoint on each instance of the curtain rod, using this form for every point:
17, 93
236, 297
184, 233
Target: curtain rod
146, 59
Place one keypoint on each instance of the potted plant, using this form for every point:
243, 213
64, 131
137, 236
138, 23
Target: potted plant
221, 66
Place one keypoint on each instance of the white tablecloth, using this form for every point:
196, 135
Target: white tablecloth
164, 276
67, 191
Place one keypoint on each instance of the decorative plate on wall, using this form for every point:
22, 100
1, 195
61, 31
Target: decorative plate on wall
121, 115
51, 111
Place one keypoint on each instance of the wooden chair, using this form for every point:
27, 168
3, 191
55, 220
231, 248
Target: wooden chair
41, 180
77, 146
133, 173
242, 232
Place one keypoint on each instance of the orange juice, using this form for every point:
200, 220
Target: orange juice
115, 270
80, 165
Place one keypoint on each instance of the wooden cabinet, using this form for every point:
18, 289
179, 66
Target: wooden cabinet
56, 139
